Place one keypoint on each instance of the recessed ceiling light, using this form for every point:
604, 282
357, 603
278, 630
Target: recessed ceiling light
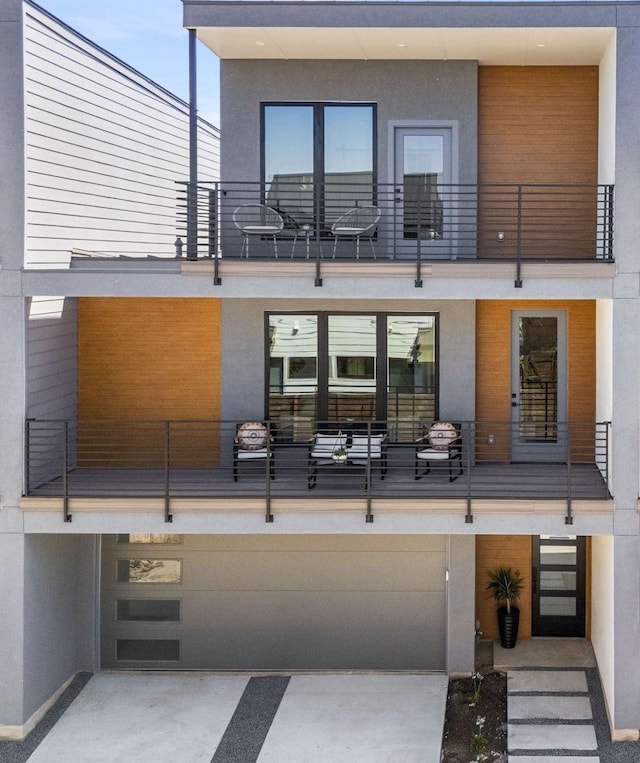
401, 44
541, 45
258, 42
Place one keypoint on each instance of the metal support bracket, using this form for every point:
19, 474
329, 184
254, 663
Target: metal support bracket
568, 520
65, 508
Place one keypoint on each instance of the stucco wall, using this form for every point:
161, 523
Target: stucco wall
602, 613
403, 90
59, 612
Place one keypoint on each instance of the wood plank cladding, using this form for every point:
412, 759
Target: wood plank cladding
148, 360
493, 365
538, 125
507, 551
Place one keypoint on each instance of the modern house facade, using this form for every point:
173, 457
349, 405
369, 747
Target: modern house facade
398, 348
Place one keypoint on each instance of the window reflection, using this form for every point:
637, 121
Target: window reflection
159, 538
318, 160
538, 341
423, 163
149, 571
352, 352
411, 351
348, 159
293, 375
341, 367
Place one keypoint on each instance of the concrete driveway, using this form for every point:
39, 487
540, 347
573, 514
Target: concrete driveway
342, 718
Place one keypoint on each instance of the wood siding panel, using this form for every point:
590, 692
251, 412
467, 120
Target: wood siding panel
104, 148
502, 551
493, 364
539, 125
153, 360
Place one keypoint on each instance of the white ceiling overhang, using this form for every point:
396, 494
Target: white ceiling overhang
544, 46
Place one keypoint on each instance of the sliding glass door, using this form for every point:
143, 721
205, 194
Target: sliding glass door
318, 160
348, 367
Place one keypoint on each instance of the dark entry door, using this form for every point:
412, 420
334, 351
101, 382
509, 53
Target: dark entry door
558, 585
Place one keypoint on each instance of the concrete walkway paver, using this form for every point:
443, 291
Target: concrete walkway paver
549, 711
526, 708
552, 737
547, 681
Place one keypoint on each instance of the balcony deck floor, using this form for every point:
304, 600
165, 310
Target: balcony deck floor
518, 481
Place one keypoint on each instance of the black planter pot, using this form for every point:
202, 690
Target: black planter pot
508, 626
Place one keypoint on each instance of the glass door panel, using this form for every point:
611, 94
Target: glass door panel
411, 374
352, 358
293, 375
289, 160
558, 585
348, 160
538, 396
422, 172
340, 367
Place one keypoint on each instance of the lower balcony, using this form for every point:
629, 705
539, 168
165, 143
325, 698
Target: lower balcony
350, 466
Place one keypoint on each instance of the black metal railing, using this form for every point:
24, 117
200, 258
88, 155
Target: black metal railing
203, 459
417, 221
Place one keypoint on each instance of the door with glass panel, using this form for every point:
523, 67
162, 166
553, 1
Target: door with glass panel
558, 585
539, 385
422, 193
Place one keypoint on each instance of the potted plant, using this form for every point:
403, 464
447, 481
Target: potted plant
339, 454
505, 586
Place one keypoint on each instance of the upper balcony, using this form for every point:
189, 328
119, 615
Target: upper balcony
417, 223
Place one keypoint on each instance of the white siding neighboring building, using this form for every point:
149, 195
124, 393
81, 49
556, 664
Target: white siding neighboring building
104, 148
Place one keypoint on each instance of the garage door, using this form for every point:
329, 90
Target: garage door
274, 603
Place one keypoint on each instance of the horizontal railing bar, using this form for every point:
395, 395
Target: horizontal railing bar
201, 463
445, 221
